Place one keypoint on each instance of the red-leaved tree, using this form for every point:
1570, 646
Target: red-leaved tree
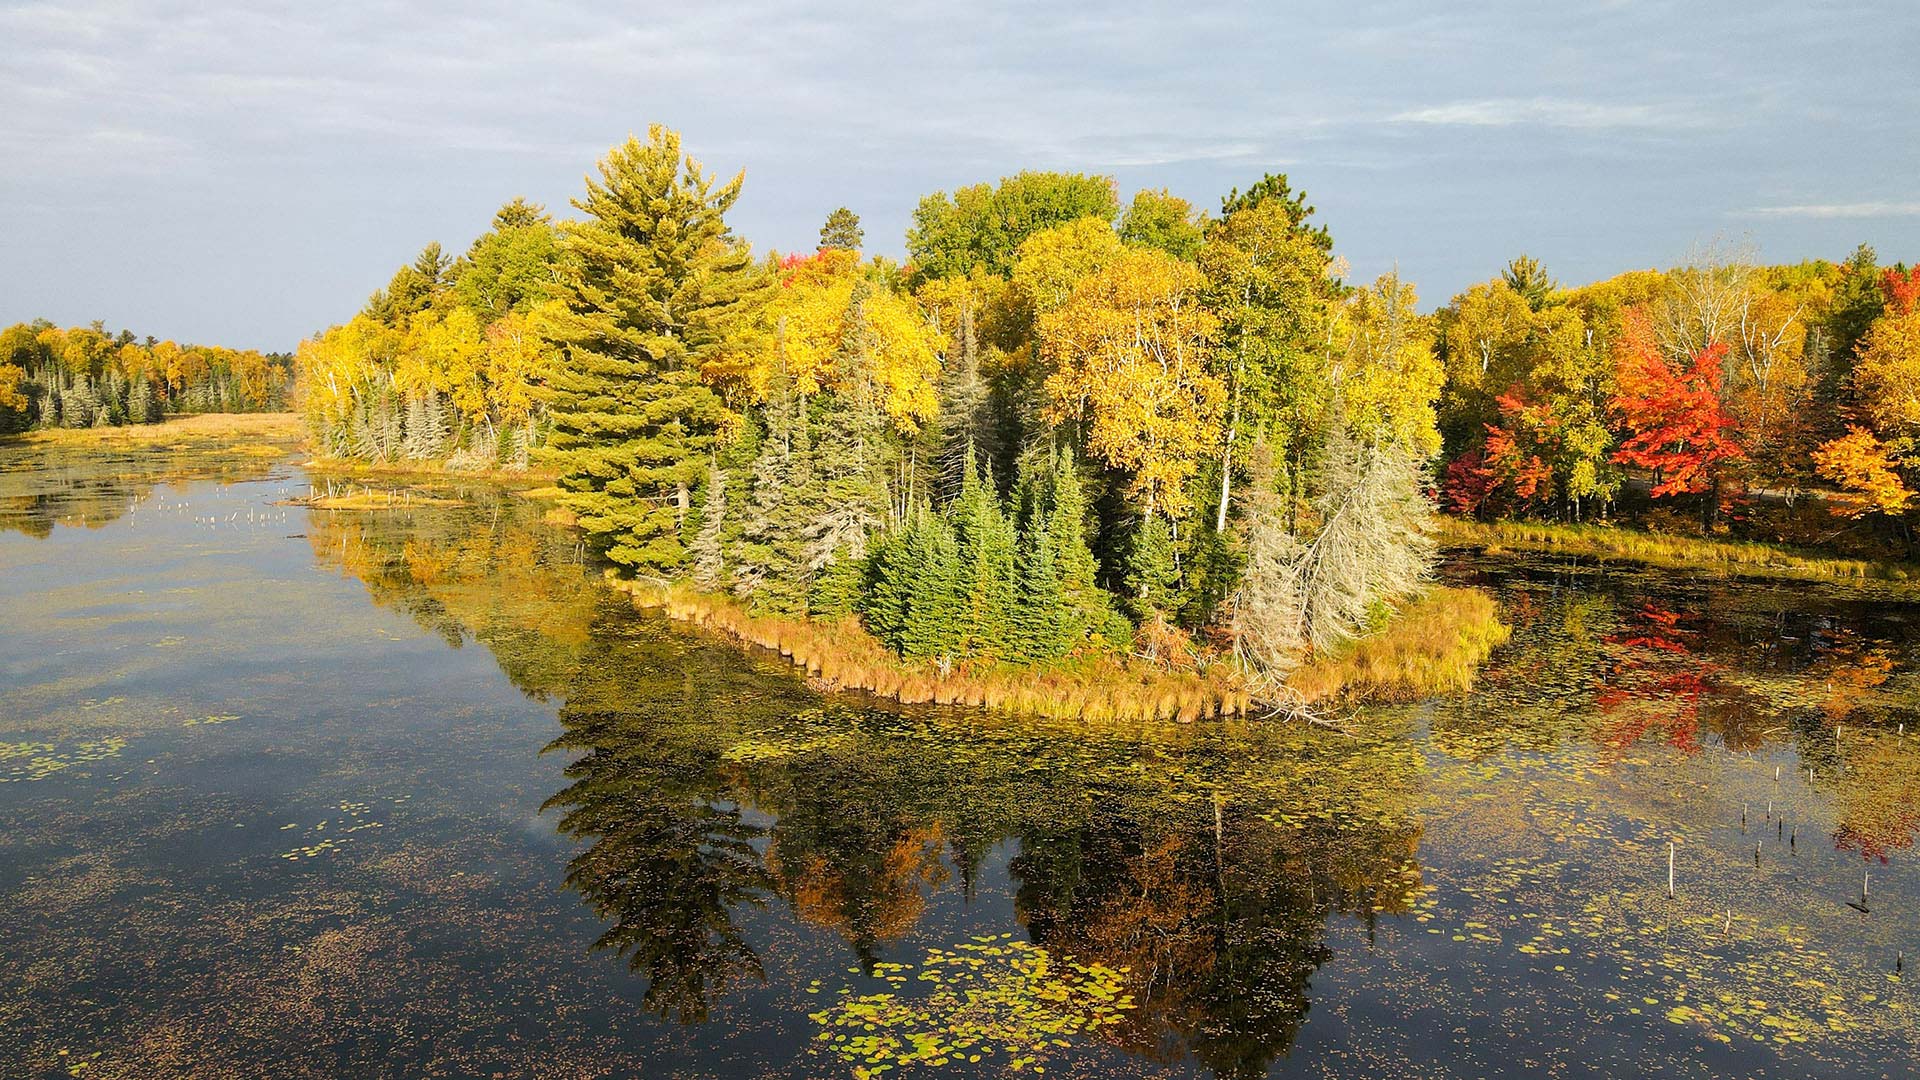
1673, 421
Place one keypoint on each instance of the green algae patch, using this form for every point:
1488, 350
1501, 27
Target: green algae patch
991, 997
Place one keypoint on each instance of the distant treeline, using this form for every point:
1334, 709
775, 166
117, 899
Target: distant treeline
84, 376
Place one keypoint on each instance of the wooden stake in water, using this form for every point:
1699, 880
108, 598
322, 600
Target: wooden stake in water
1669, 869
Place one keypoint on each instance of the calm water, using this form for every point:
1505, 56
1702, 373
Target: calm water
300, 793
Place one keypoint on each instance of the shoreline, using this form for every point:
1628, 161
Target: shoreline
1735, 557
1435, 645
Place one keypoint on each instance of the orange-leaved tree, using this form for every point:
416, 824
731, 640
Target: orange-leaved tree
1674, 421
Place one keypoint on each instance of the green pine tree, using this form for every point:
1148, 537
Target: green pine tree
654, 283
986, 552
931, 626
773, 571
1153, 573
1042, 624
1089, 607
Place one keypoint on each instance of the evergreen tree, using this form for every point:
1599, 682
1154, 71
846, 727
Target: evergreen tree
985, 541
842, 231
772, 570
654, 283
1088, 605
850, 500
931, 623
891, 579
706, 554
140, 403
1042, 624
965, 429
1153, 574
838, 586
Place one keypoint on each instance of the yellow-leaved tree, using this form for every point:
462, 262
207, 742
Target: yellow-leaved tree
1385, 367
1128, 350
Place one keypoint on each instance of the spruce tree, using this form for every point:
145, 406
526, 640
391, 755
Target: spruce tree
654, 283
1042, 624
1089, 607
891, 580
986, 560
965, 427
773, 572
853, 451
1153, 575
931, 627
140, 408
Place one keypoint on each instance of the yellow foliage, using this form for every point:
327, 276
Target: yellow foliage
1888, 373
1386, 367
1864, 466
1129, 348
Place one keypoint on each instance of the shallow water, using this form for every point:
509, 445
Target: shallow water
410, 793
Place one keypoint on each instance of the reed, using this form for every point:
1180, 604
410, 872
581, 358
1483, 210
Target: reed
1435, 645
1431, 648
1611, 542
230, 428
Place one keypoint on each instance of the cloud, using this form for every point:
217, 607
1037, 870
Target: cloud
1549, 112
1838, 210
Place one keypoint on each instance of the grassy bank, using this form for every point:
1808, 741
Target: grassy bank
242, 432
1433, 647
354, 469
1612, 542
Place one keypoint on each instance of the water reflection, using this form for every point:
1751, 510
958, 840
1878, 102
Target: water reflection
739, 849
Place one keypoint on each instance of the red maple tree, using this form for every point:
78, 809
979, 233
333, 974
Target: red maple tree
1902, 289
1672, 416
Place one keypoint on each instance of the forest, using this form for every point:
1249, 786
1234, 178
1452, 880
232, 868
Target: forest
1073, 425
84, 376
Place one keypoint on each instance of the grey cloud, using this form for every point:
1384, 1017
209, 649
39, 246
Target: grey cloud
278, 158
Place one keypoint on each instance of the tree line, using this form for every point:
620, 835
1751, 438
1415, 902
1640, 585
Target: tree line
84, 376
1065, 425
1704, 385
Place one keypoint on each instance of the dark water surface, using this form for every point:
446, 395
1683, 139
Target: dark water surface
296, 793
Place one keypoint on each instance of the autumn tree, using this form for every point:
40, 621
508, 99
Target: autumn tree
1129, 350
1164, 221
1672, 418
984, 225
1269, 279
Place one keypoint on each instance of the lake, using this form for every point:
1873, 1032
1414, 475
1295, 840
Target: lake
300, 793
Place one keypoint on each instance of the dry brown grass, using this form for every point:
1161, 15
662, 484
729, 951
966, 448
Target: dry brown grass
437, 470
246, 432
843, 655
1660, 549
1435, 645
373, 499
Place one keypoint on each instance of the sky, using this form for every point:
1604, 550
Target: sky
245, 174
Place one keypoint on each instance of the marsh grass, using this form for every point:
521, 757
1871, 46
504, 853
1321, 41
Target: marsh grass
1435, 645
434, 470
1432, 647
243, 432
1610, 542
368, 498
